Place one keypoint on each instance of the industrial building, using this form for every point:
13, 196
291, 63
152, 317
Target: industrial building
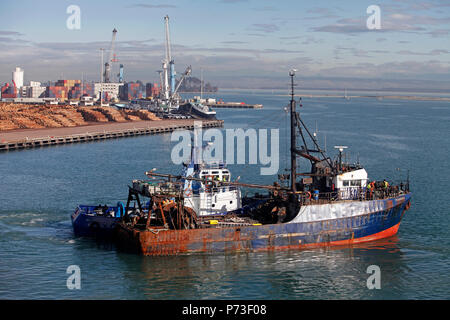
17, 78
34, 90
109, 90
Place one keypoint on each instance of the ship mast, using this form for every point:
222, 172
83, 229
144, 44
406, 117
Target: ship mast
293, 135
304, 151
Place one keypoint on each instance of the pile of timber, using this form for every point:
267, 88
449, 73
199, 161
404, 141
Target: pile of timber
142, 114
112, 114
92, 115
23, 116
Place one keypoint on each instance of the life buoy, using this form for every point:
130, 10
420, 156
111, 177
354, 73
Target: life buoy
308, 195
275, 193
187, 192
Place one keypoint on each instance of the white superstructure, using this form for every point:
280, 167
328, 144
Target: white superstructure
350, 183
212, 197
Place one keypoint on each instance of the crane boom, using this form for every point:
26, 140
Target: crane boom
185, 74
168, 49
111, 58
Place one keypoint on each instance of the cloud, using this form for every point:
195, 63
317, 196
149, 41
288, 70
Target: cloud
256, 34
151, 6
435, 52
264, 27
10, 33
10, 40
234, 42
439, 33
391, 70
395, 22
352, 51
265, 8
321, 13
232, 1
10, 37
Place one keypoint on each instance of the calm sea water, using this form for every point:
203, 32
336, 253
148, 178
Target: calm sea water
40, 188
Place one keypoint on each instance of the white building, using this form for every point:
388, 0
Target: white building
35, 84
87, 101
17, 77
34, 90
111, 89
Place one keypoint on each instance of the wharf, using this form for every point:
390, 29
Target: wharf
32, 138
235, 105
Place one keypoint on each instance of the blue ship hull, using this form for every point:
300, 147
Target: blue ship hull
354, 229
89, 222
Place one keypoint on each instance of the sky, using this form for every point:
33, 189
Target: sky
236, 43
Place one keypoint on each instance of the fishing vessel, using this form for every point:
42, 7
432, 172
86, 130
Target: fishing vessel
197, 110
334, 203
204, 199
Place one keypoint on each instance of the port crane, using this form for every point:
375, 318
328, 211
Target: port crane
185, 74
112, 58
120, 74
168, 65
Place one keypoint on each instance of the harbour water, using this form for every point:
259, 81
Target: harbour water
40, 188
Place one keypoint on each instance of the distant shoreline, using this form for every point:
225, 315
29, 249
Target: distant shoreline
417, 98
349, 97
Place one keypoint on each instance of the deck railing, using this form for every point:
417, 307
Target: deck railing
354, 193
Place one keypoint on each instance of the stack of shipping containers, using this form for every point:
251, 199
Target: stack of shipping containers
8, 91
79, 90
151, 90
131, 90
56, 92
62, 88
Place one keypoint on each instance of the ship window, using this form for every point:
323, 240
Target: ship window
215, 172
346, 183
356, 183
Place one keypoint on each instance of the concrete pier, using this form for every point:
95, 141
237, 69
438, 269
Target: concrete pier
33, 138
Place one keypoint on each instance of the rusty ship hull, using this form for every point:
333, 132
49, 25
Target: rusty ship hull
346, 230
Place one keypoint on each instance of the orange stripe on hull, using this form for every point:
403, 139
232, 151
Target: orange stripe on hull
380, 235
377, 236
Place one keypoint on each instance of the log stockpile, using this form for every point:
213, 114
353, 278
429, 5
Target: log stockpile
112, 114
21, 116
92, 115
141, 114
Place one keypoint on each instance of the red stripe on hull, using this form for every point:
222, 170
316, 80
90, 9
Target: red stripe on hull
377, 236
